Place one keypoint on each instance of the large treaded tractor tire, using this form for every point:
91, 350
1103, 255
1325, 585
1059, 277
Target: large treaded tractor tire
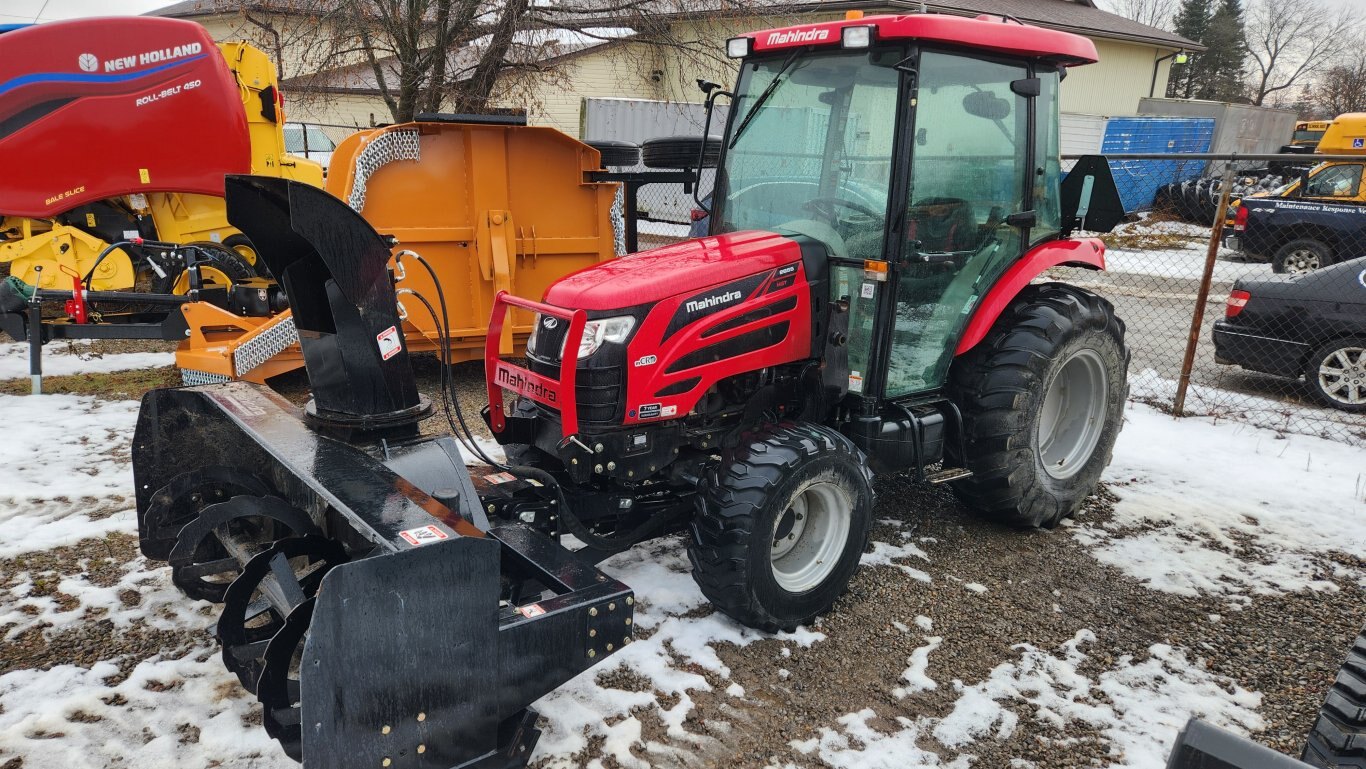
781, 524
1042, 397
1338, 738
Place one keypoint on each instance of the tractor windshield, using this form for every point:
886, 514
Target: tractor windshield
811, 151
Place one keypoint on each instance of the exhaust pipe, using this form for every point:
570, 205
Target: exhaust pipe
368, 602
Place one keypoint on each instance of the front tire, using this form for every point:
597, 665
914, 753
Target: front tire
781, 524
1042, 397
1336, 374
1300, 256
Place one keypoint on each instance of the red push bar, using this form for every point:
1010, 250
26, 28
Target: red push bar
502, 375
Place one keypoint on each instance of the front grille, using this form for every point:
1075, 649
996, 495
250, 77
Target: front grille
597, 390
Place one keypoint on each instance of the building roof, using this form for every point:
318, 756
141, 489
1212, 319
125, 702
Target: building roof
1078, 16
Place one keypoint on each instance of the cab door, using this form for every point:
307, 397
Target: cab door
974, 194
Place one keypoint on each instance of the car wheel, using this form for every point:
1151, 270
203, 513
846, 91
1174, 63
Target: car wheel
1336, 374
1301, 256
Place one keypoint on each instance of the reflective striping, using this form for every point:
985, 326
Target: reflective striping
192, 377
384, 149
264, 345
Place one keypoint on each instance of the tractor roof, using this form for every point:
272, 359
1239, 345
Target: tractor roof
989, 33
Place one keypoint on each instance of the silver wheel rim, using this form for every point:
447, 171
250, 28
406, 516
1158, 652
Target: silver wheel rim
1073, 414
1301, 260
1342, 375
809, 536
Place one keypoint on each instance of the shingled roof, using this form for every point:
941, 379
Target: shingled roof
1079, 16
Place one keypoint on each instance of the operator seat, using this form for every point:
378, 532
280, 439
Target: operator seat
943, 225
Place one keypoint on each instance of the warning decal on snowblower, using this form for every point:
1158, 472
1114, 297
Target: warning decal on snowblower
425, 535
389, 342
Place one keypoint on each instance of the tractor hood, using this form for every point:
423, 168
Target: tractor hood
651, 276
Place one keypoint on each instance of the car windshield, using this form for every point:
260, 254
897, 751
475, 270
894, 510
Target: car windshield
1307, 136
815, 154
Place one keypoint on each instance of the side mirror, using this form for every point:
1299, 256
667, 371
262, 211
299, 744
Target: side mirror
707, 86
1304, 183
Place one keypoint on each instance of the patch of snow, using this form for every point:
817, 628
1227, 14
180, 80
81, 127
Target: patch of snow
660, 574
64, 456
975, 587
917, 680
885, 554
16, 366
1227, 509
1146, 703
924, 623
164, 701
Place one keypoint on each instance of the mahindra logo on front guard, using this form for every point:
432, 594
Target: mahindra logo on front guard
797, 36
515, 381
712, 301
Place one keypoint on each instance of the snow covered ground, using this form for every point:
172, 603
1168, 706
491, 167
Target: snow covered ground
1206, 508
75, 358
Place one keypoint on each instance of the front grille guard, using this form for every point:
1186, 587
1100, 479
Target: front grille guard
501, 375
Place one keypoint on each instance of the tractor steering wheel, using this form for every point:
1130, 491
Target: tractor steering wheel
825, 206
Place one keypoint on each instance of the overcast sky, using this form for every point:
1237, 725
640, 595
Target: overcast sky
19, 11
16, 11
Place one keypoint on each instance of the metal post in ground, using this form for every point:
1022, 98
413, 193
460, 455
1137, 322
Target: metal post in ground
35, 336
1202, 296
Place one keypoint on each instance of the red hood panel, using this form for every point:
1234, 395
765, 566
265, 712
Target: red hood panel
651, 276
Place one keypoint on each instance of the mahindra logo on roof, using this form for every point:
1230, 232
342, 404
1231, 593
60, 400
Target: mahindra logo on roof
797, 36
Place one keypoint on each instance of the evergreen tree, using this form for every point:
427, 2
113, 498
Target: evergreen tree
1222, 67
1192, 23
1217, 73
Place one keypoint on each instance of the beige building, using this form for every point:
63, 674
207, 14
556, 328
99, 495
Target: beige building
1134, 59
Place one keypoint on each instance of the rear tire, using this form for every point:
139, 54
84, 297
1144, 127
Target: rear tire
781, 524
1336, 374
1338, 738
1042, 397
1301, 256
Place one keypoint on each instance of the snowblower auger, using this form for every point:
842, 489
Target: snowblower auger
367, 601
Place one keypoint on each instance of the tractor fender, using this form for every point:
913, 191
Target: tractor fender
1083, 252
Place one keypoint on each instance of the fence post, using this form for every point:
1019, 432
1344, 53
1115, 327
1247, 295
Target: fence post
1202, 297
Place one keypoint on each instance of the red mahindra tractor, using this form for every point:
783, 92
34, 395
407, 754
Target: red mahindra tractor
889, 190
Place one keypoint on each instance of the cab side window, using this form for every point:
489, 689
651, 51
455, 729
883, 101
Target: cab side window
1335, 182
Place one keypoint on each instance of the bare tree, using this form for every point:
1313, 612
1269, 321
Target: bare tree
1341, 88
1154, 13
1289, 41
456, 55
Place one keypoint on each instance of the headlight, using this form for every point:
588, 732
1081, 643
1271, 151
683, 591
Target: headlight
535, 329
595, 332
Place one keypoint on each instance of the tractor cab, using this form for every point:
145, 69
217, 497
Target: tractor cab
899, 150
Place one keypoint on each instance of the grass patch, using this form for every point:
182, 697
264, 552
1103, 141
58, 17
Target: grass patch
114, 385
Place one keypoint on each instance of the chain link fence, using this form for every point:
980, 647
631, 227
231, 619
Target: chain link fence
1258, 316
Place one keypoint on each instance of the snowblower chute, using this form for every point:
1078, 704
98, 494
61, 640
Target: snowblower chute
367, 601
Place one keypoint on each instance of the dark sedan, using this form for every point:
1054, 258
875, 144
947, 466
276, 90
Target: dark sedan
1311, 325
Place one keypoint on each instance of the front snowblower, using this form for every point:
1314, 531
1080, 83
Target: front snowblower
366, 599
